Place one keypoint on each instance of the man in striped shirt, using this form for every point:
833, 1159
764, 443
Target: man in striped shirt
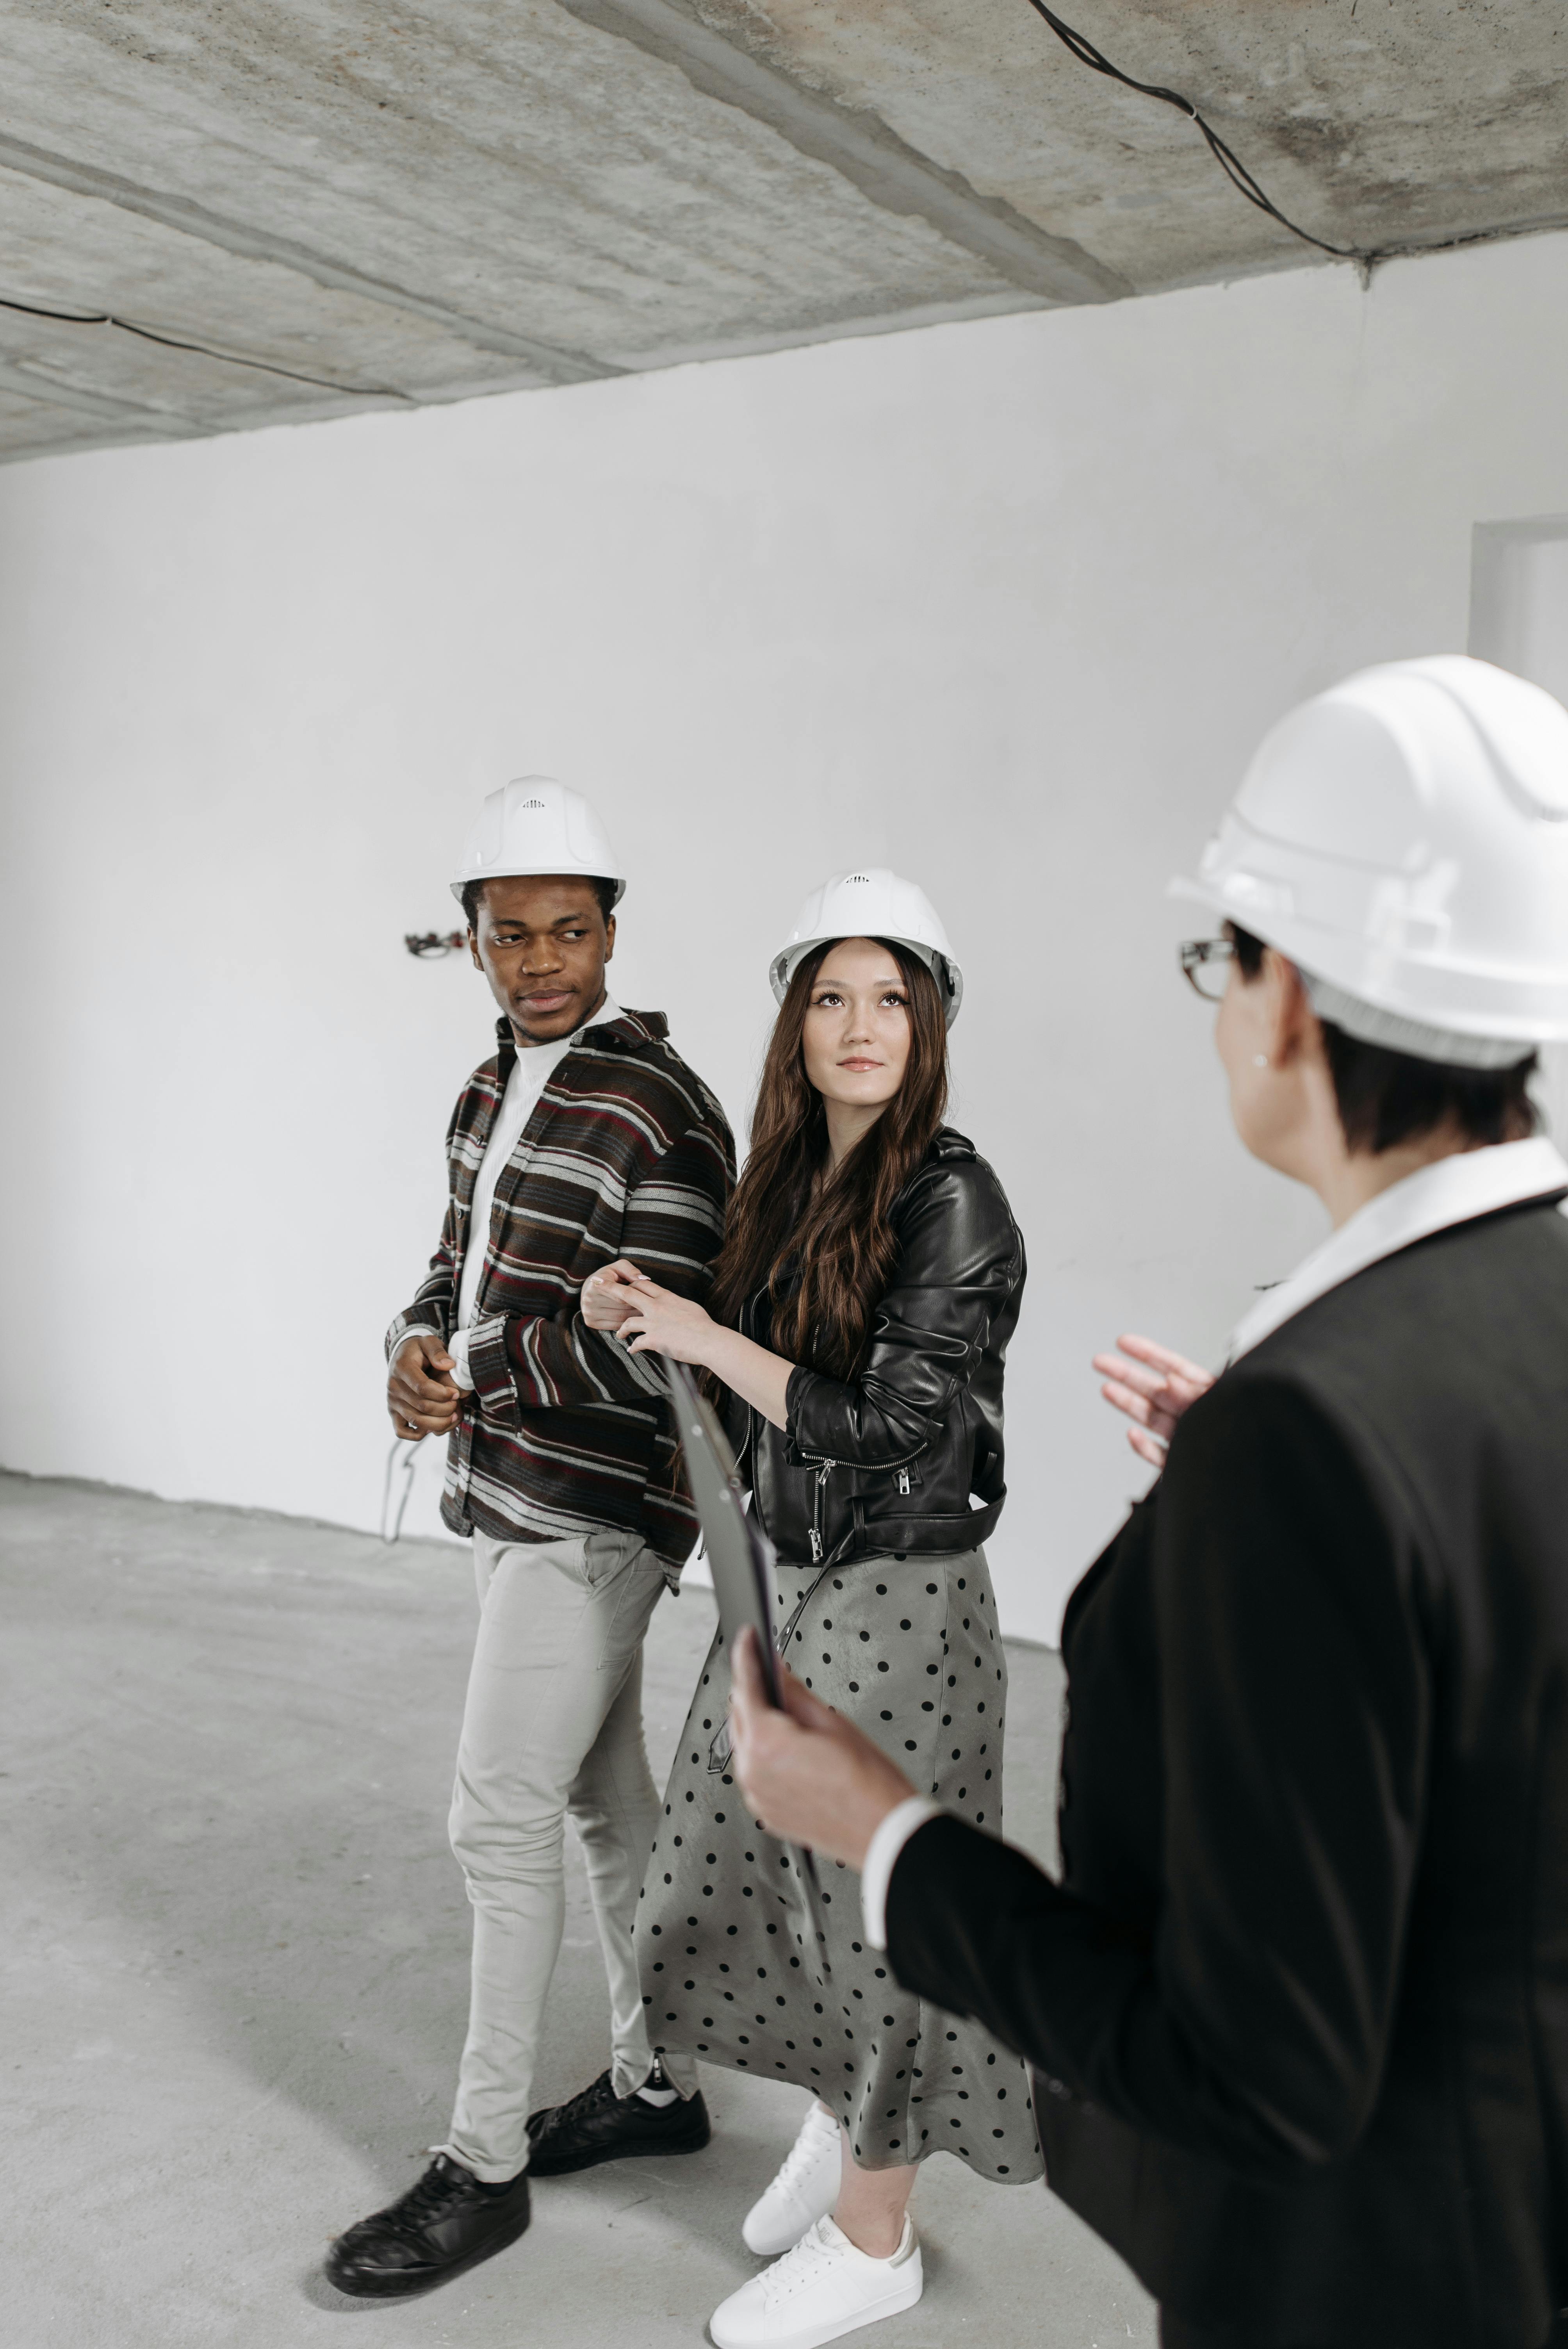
583, 1141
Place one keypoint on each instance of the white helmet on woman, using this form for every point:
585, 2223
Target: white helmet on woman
1403, 838
536, 825
872, 902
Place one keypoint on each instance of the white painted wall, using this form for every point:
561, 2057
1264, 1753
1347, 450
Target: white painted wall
1518, 598
1005, 605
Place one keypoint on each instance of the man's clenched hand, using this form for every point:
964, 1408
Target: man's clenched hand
421, 1399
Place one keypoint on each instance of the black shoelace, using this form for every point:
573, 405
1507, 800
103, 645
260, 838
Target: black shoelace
587, 2100
434, 2195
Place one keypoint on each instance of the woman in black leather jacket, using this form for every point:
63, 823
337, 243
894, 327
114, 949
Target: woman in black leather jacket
897, 1457
862, 1304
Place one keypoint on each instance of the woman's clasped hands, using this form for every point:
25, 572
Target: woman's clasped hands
648, 1319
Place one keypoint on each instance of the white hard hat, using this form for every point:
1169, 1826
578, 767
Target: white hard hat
536, 825
1403, 838
872, 904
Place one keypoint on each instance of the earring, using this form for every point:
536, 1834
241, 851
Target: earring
1260, 1060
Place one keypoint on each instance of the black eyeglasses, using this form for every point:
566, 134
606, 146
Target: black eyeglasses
1206, 966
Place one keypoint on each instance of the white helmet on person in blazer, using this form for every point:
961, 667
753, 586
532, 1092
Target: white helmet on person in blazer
1403, 838
535, 825
872, 902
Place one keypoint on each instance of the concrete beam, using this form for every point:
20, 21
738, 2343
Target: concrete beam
110, 408
862, 148
258, 244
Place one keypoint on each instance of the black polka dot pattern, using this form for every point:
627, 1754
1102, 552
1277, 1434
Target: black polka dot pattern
906, 2079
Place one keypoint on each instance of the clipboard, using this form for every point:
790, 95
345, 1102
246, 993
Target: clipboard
742, 1559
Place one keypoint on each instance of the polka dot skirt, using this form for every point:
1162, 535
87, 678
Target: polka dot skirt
909, 1649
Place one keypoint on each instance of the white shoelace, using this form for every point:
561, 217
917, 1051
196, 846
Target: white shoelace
810, 2148
819, 2248
801, 2266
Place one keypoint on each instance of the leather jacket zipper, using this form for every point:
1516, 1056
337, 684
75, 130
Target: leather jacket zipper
903, 1485
824, 1470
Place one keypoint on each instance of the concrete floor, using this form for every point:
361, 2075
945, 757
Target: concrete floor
235, 1949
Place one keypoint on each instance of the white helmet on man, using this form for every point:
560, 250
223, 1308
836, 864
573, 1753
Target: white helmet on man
1403, 839
535, 825
872, 902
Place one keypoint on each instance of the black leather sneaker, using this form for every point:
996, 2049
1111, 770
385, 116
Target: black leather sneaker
449, 2221
596, 2125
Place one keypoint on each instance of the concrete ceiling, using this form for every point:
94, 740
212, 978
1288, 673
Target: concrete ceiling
422, 200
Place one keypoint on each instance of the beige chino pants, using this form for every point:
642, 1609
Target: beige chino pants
553, 1724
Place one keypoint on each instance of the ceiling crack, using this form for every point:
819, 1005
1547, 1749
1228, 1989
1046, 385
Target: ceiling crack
111, 407
556, 365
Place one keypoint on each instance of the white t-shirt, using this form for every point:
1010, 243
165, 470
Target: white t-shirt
531, 1072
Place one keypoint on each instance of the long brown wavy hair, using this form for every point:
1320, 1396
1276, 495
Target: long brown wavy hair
830, 1233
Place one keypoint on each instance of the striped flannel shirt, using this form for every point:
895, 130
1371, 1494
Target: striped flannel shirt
626, 1152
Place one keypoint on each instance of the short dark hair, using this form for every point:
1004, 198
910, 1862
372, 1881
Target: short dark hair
1385, 1098
474, 890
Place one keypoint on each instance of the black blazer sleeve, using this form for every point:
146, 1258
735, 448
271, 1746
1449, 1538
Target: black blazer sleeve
1294, 1684
959, 1257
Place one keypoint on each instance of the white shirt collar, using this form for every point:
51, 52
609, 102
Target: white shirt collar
1451, 1191
609, 1009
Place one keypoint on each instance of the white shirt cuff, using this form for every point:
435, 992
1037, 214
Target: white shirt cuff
881, 1857
457, 1347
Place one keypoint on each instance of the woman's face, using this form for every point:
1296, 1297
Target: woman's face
856, 1036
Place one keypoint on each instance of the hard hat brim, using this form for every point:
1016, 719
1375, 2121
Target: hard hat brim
943, 968
1396, 1019
510, 873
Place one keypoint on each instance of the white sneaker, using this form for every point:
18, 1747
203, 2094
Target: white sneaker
820, 2291
805, 2189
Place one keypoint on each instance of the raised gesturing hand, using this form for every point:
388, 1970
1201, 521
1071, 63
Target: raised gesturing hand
1154, 1387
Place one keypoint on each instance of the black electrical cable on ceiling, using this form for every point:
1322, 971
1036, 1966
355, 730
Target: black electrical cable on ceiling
227, 359
1076, 43
1235, 170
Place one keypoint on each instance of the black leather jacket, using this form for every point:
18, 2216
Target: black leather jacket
896, 1458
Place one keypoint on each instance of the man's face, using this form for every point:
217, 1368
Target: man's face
542, 942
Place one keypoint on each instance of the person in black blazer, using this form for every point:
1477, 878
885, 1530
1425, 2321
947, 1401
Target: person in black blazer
1299, 2006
